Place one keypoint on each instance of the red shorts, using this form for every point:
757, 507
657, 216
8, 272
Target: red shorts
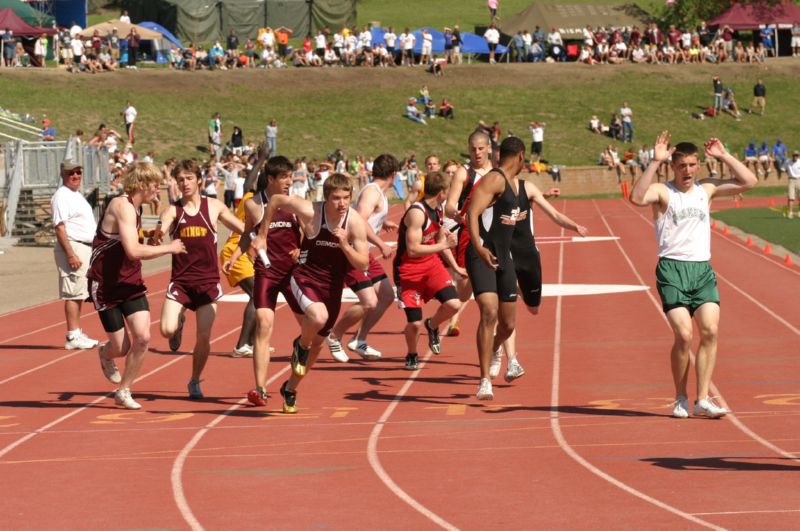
461, 247
192, 297
416, 289
358, 280
266, 290
109, 295
304, 294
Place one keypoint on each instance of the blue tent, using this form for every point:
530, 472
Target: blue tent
377, 35
477, 44
438, 40
160, 47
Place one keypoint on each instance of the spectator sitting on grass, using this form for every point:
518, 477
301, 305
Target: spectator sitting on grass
764, 159
611, 159
594, 124
729, 103
412, 113
615, 127
751, 157
437, 65
430, 109
446, 109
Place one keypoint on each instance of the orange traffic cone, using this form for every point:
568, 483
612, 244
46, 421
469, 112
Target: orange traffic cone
725, 231
714, 224
787, 259
767, 249
771, 202
737, 203
749, 241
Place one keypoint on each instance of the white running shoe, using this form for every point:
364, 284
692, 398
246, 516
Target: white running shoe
497, 361
363, 350
513, 371
245, 351
707, 408
680, 409
485, 391
335, 346
123, 398
109, 366
80, 341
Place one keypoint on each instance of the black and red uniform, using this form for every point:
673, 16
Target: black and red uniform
421, 278
195, 274
321, 270
527, 262
115, 279
463, 201
283, 237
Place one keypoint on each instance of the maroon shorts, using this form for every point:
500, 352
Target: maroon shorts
461, 247
109, 295
267, 289
358, 280
416, 289
192, 297
304, 294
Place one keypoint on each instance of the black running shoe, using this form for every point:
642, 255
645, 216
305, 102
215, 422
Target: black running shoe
433, 337
175, 340
412, 362
299, 358
289, 399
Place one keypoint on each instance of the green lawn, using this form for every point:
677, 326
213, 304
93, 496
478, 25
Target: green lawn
766, 223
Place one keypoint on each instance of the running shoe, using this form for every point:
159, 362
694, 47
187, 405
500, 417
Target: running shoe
335, 346
497, 361
80, 342
364, 350
245, 351
412, 362
194, 390
513, 371
299, 358
485, 390
109, 366
175, 340
453, 330
434, 342
289, 399
708, 408
680, 409
123, 398
257, 397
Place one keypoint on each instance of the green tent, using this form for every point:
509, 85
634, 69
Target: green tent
30, 15
209, 20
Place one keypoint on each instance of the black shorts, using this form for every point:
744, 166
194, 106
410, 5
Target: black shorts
528, 268
502, 280
113, 318
536, 148
492, 47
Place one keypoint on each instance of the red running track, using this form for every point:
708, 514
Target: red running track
583, 440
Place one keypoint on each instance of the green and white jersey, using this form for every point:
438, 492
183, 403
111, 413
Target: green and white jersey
683, 232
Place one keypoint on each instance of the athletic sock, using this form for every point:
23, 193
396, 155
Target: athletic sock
72, 334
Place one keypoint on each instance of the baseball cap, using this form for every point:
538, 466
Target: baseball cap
69, 165
796, 153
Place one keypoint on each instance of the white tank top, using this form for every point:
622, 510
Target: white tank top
683, 232
376, 219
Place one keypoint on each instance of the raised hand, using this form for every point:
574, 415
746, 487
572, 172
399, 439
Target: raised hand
714, 148
661, 149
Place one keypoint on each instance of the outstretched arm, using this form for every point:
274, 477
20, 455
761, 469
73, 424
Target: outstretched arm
743, 177
535, 195
645, 192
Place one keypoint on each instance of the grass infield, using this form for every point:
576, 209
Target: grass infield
766, 223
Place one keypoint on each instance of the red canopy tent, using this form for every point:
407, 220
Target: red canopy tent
10, 20
754, 16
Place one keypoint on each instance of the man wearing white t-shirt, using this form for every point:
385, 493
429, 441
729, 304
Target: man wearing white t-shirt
129, 114
537, 142
77, 51
75, 227
391, 40
492, 37
407, 41
793, 171
627, 122
427, 47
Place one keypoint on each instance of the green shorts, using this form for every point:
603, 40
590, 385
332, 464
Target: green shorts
685, 284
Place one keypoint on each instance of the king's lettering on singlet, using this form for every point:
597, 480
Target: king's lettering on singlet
688, 213
193, 232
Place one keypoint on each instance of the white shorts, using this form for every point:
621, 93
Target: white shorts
794, 188
72, 283
795, 42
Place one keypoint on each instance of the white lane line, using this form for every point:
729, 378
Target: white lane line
714, 389
559, 436
375, 462
774, 511
61, 419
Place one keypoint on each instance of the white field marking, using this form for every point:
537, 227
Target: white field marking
774, 511
565, 446
574, 239
177, 466
548, 290
176, 474
51, 362
375, 463
60, 323
27, 308
61, 419
714, 389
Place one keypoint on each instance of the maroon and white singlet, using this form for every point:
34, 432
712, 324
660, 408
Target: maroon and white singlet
283, 237
113, 277
321, 270
195, 274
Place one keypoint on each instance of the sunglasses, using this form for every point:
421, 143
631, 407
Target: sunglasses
76, 171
